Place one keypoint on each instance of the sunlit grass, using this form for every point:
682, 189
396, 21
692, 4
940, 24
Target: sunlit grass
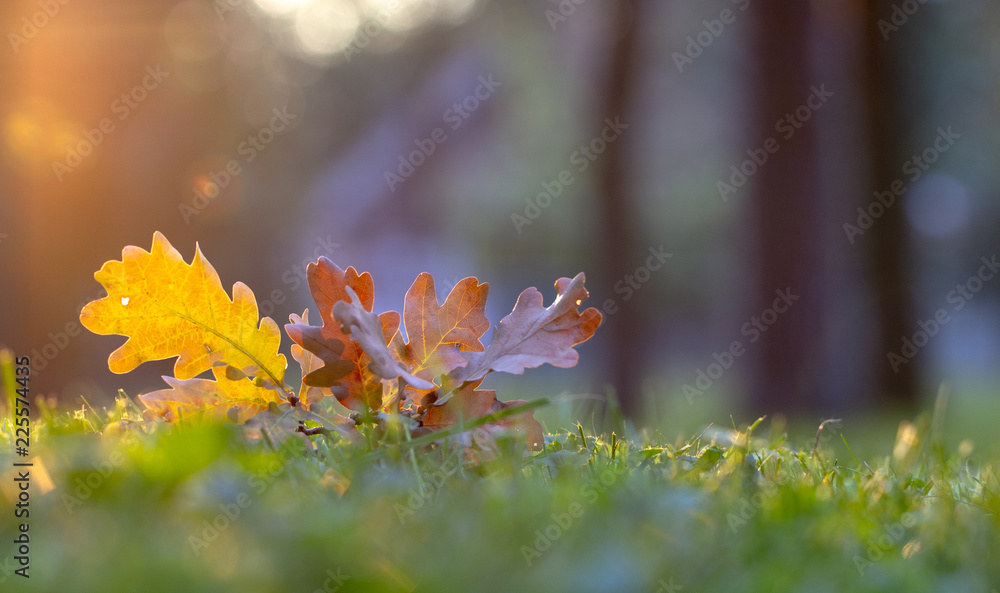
145, 505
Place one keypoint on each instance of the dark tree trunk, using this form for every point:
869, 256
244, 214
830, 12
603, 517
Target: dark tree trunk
885, 243
786, 213
615, 208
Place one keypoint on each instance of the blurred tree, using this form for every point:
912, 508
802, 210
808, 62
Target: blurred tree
886, 249
786, 214
615, 208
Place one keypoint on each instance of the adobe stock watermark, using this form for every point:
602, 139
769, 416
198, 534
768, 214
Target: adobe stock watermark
123, 106
580, 160
957, 298
453, 118
84, 488
249, 149
432, 484
7, 568
901, 13
230, 512
59, 340
560, 523
914, 168
564, 10
878, 546
748, 506
786, 127
712, 30
295, 276
224, 7
446, 285
668, 586
753, 330
631, 283
31, 25
334, 581
372, 28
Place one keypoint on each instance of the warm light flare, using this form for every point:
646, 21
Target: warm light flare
326, 27
404, 15
280, 7
39, 131
25, 136
206, 186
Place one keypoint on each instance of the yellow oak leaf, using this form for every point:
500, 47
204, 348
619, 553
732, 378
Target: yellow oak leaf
308, 362
167, 307
230, 395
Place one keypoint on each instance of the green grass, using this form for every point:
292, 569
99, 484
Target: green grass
132, 502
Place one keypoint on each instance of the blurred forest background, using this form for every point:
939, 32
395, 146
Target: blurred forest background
697, 159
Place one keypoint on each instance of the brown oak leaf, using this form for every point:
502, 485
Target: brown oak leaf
366, 329
533, 335
469, 403
436, 334
345, 371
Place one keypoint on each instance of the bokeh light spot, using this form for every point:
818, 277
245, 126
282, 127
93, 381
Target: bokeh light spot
326, 27
280, 7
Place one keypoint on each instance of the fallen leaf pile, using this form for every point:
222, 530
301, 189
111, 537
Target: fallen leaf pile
168, 308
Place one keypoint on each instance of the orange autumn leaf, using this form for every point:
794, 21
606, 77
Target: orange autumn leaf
470, 403
367, 330
169, 308
345, 369
436, 334
328, 283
